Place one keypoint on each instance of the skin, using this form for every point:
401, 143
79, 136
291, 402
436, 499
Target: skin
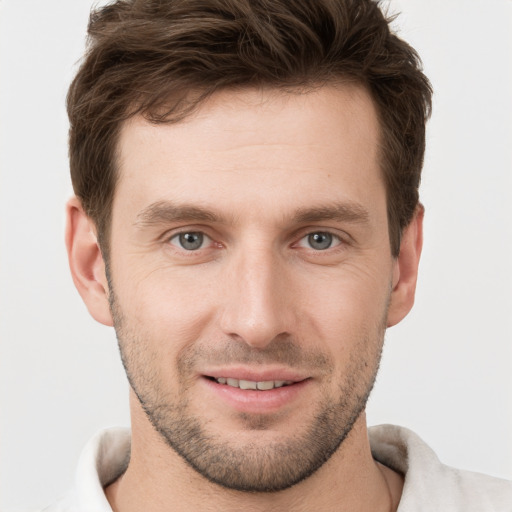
257, 300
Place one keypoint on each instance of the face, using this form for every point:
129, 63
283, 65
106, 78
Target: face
250, 278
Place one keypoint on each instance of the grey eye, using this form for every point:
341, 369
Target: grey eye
189, 241
320, 241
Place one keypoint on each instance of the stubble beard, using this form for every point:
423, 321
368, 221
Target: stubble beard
253, 466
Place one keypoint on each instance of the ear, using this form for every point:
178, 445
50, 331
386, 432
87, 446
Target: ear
86, 262
405, 273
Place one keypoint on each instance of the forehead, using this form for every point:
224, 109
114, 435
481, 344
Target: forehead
241, 144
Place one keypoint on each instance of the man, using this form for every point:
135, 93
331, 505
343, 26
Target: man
247, 217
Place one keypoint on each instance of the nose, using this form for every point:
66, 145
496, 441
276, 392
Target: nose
258, 305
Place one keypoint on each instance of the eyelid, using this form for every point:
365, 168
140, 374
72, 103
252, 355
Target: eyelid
179, 230
336, 232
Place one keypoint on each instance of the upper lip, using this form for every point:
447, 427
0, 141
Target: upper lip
256, 375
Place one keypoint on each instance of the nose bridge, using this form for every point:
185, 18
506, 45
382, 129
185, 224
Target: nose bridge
256, 308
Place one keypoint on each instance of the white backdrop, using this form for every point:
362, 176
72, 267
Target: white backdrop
446, 371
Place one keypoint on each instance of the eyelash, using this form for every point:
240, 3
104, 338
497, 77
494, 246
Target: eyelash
334, 241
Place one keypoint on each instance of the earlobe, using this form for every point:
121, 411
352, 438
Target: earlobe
86, 262
406, 269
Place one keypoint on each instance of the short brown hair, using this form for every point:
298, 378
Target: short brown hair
146, 56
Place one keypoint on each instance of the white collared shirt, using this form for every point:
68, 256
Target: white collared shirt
429, 485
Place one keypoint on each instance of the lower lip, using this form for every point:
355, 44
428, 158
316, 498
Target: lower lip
259, 402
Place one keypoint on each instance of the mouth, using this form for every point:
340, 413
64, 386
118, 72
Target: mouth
263, 385
252, 392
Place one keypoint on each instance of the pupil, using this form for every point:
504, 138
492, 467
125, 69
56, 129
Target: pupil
320, 241
191, 241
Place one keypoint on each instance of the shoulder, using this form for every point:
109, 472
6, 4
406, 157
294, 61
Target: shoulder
430, 485
102, 460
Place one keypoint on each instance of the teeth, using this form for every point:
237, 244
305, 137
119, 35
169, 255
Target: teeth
247, 384
250, 384
265, 385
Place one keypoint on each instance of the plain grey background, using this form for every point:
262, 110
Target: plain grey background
446, 371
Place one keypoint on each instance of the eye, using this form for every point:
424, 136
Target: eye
319, 241
190, 240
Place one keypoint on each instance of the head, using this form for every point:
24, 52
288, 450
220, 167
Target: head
163, 59
250, 171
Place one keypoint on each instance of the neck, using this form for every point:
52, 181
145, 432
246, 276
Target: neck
156, 475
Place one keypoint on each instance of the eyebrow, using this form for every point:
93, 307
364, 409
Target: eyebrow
340, 212
165, 212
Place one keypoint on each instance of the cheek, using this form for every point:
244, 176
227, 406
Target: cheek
347, 302
172, 307
347, 317
168, 309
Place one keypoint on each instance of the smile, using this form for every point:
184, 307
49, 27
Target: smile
253, 392
250, 384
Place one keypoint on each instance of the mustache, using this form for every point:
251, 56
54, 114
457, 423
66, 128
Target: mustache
281, 350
